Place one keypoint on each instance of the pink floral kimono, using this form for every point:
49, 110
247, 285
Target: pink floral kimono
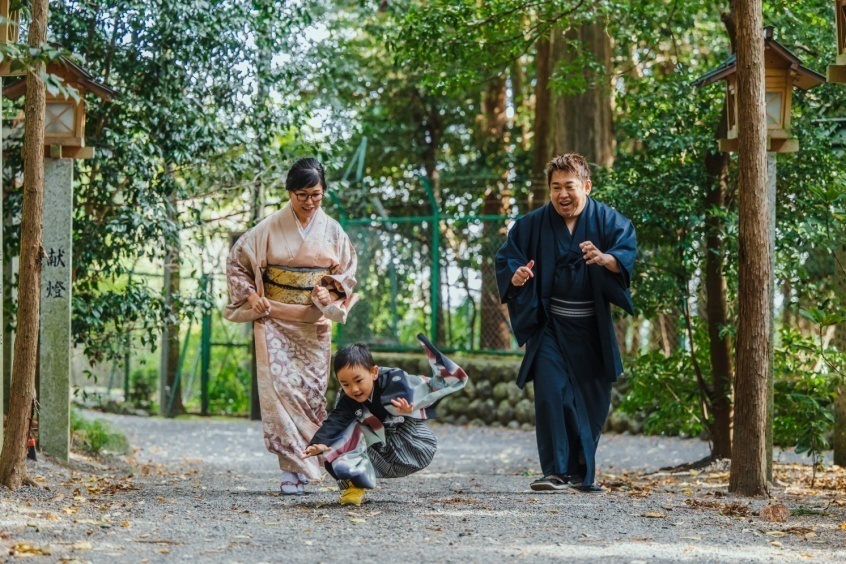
293, 342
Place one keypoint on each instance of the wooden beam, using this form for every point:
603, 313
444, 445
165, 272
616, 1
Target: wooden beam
6, 69
836, 74
62, 152
773, 145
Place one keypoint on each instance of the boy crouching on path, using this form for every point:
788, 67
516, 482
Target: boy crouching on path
376, 428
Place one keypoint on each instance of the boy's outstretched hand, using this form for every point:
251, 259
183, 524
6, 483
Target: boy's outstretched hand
403, 406
314, 450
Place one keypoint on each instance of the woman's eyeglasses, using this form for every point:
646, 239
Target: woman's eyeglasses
303, 197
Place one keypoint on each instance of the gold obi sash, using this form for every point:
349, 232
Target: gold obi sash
290, 285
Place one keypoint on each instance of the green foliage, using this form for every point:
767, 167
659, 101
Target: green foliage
216, 97
229, 389
666, 392
803, 396
143, 387
179, 135
97, 436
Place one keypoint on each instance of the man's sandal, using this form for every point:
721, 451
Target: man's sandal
549, 483
592, 488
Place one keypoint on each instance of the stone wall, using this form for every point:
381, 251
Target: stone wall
491, 397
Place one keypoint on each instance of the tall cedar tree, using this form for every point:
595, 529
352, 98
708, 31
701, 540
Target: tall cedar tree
13, 458
748, 462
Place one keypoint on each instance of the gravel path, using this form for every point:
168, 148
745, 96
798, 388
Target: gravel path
208, 491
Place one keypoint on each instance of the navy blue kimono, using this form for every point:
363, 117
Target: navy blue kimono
563, 316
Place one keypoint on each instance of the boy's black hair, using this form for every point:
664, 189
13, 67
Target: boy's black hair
354, 355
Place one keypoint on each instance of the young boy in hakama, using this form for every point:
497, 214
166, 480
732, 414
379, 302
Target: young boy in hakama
376, 428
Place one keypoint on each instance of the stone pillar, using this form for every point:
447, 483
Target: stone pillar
772, 160
55, 325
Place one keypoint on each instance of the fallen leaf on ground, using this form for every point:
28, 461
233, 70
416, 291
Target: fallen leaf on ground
775, 533
702, 503
799, 530
356, 520
734, 509
82, 545
777, 513
654, 515
26, 549
125, 524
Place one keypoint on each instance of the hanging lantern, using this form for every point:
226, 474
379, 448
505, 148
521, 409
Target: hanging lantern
64, 123
783, 71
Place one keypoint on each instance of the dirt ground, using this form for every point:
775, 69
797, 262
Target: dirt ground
207, 490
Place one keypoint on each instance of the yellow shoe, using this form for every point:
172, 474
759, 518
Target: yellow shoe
352, 496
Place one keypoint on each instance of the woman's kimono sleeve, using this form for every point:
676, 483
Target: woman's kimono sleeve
340, 283
240, 280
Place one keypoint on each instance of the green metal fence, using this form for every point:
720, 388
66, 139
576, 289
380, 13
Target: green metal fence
424, 268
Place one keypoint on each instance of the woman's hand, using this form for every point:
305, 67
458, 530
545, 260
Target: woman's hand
260, 304
403, 406
314, 450
322, 295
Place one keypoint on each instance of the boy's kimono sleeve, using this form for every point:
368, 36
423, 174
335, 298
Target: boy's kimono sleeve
335, 424
421, 391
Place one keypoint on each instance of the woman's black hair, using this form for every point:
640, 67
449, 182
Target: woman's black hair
305, 173
354, 355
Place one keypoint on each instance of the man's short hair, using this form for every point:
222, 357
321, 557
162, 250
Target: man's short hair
568, 162
354, 355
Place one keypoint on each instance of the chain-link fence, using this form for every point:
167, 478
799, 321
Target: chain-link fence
429, 267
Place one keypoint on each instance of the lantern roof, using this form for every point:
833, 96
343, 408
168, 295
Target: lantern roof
72, 74
777, 55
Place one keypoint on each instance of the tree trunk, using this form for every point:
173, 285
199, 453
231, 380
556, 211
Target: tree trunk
668, 327
787, 296
495, 333
717, 165
748, 465
839, 442
22, 392
542, 152
170, 345
583, 122
8, 333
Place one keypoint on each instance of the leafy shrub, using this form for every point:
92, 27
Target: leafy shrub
666, 392
96, 436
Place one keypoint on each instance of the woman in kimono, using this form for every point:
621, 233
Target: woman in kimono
292, 275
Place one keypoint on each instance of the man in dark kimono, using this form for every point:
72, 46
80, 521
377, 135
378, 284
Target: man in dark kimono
560, 270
